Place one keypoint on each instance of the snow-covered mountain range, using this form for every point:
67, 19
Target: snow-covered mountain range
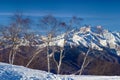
95, 37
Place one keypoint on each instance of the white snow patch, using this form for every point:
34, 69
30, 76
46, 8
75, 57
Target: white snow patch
12, 72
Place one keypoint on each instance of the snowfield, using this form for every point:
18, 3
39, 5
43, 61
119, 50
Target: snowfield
13, 72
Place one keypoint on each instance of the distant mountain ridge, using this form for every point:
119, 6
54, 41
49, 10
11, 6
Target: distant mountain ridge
97, 37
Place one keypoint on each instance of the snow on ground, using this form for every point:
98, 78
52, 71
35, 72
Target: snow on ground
12, 72
89, 77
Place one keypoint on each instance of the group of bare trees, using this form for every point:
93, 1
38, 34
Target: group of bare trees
13, 33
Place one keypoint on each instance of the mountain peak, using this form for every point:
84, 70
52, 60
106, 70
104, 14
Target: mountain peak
85, 29
97, 36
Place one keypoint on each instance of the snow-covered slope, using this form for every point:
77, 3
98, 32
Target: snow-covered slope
12, 72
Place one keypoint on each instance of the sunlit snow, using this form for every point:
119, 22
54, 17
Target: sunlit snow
12, 72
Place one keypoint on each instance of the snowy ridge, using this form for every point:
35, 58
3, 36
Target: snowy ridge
12, 72
97, 36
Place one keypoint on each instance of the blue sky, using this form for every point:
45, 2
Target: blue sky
94, 12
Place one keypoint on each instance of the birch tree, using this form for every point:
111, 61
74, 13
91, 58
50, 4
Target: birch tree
13, 32
74, 22
48, 24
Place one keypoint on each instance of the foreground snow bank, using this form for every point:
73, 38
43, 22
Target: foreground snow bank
89, 77
12, 72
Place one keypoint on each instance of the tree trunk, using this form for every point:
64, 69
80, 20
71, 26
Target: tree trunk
60, 61
33, 57
84, 62
10, 56
48, 58
13, 57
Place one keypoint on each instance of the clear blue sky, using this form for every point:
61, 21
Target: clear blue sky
94, 12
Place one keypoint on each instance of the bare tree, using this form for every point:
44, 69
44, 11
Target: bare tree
47, 27
74, 22
12, 34
61, 56
48, 24
62, 25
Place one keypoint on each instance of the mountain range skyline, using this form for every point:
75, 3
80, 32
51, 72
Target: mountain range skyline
94, 12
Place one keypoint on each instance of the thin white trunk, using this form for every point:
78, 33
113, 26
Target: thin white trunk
48, 58
60, 61
15, 48
33, 57
13, 57
84, 62
10, 56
